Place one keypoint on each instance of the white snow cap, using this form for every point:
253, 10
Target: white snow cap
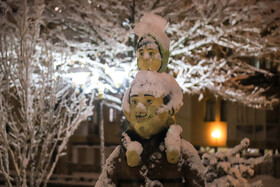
158, 85
154, 25
173, 138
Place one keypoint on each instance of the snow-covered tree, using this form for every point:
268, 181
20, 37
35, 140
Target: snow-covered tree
227, 47
39, 110
228, 168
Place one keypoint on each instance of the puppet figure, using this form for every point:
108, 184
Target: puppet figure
152, 152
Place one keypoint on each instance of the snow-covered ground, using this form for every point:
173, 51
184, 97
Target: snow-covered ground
268, 180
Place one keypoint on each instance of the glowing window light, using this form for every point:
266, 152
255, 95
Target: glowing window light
216, 134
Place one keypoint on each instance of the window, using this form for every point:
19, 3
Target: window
223, 111
112, 115
272, 132
244, 131
95, 116
272, 116
267, 64
96, 129
89, 119
210, 110
259, 132
83, 154
82, 129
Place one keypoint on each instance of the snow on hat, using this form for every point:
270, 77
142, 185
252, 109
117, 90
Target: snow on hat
158, 85
154, 25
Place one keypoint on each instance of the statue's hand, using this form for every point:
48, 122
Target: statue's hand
172, 143
133, 158
172, 156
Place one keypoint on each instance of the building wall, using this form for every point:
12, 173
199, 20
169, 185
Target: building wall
261, 126
112, 130
202, 129
234, 121
83, 153
183, 117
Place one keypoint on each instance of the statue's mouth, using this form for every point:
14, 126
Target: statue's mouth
141, 118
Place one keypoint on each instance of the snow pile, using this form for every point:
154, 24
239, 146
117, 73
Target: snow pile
158, 85
227, 168
173, 138
154, 25
155, 157
131, 145
148, 182
135, 146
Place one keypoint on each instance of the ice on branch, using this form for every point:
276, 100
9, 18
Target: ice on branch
39, 109
228, 168
215, 46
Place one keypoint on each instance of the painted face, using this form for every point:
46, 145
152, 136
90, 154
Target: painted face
149, 58
143, 115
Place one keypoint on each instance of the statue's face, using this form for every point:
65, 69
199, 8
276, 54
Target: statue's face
149, 58
143, 115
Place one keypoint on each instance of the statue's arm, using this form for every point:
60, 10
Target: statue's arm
109, 174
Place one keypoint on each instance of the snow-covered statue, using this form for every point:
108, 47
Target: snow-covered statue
152, 152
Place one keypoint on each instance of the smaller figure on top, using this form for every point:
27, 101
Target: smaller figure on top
153, 44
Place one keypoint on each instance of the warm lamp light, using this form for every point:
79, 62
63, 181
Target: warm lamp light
117, 74
79, 75
216, 134
80, 78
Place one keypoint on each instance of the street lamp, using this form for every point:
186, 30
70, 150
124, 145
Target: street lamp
90, 80
78, 75
118, 75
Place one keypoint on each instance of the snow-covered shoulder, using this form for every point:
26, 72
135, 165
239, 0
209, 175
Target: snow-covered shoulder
173, 138
131, 145
104, 178
194, 161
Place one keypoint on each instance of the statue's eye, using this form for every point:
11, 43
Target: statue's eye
141, 54
149, 101
151, 53
134, 102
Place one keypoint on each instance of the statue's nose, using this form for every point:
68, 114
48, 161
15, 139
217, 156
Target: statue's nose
140, 109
